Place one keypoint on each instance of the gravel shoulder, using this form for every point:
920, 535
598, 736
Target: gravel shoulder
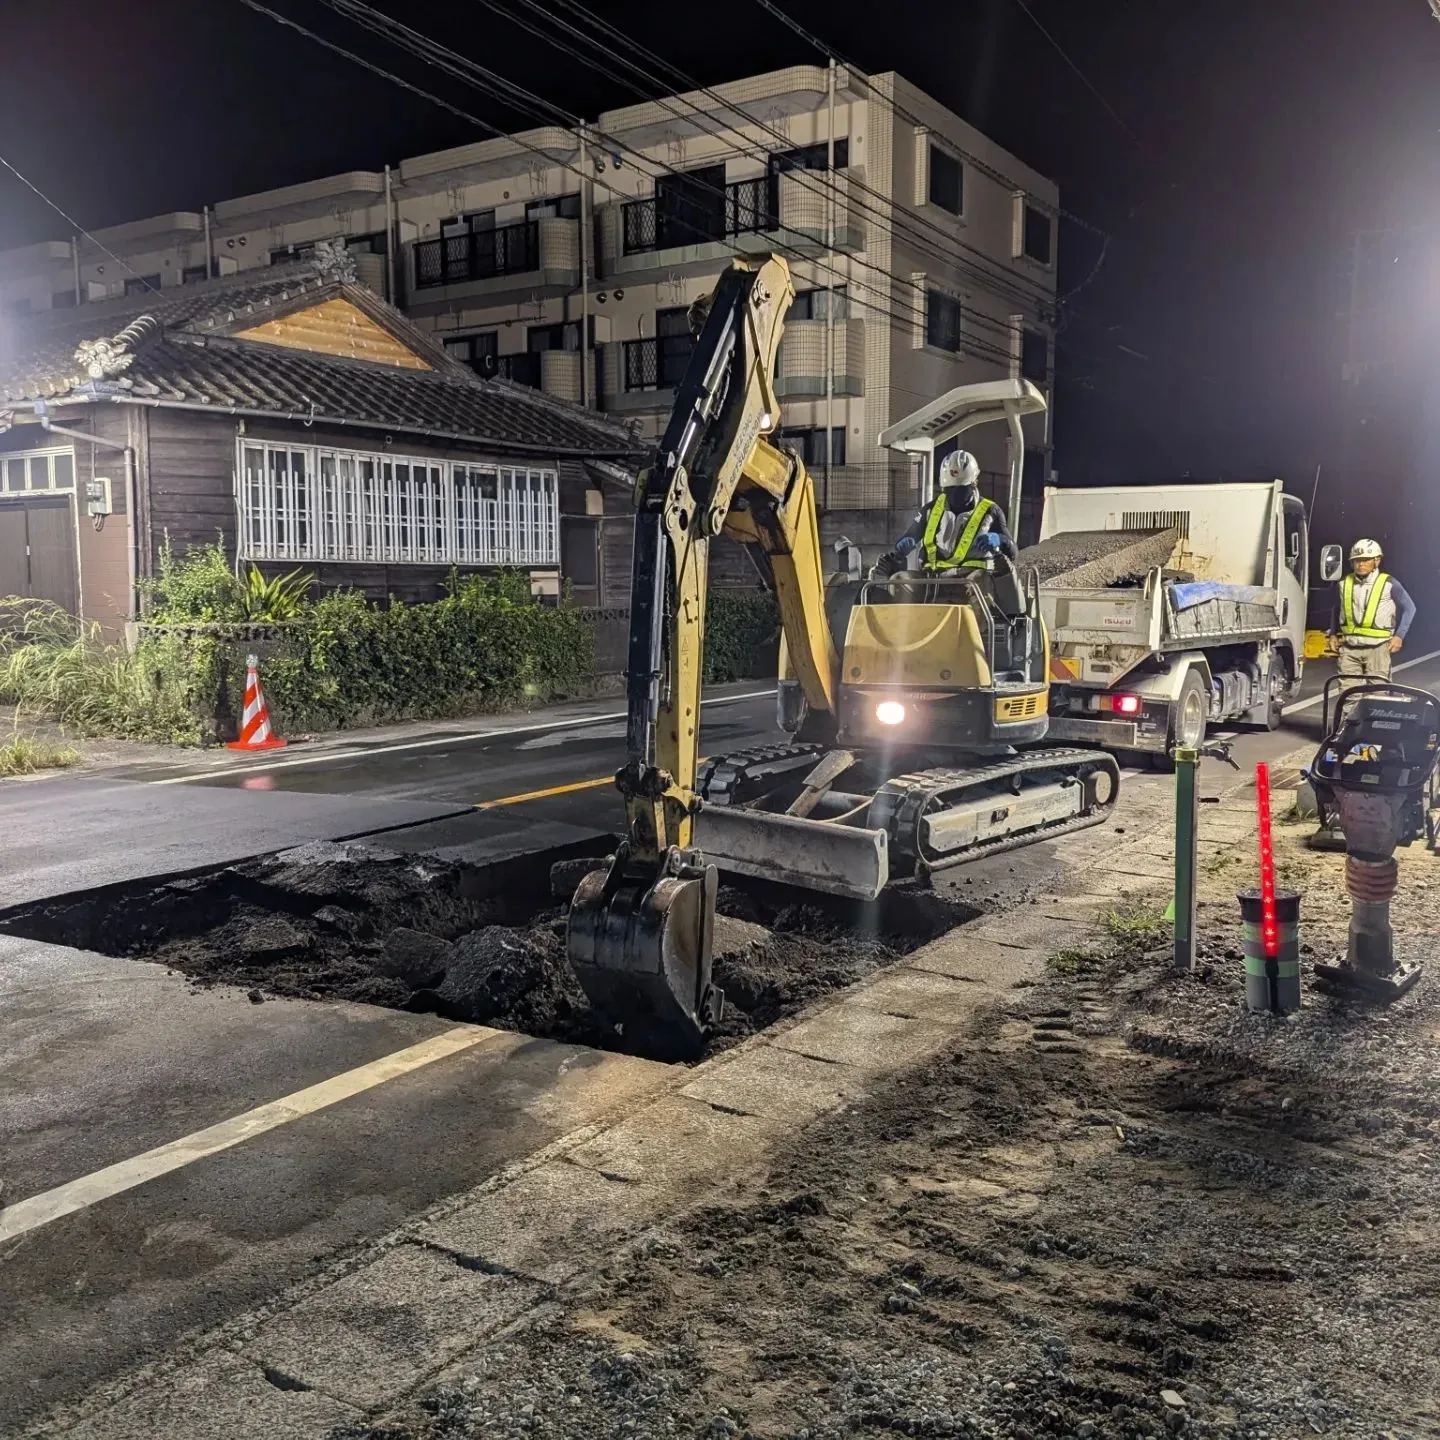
1122, 1206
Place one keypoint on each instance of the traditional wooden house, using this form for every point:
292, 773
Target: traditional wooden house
305, 422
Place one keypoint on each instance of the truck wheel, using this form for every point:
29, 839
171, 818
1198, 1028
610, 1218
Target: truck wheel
1187, 720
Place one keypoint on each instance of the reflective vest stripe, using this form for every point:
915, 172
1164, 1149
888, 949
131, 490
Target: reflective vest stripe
1364, 626
933, 560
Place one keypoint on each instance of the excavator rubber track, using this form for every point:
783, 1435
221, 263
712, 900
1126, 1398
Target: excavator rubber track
916, 808
913, 826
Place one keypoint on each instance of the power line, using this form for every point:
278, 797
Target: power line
1085, 79
459, 67
76, 228
1002, 282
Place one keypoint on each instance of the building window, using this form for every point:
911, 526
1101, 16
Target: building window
285, 254
564, 336
660, 362
479, 352
809, 445
63, 300
471, 222
305, 503
942, 321
142, 284
1037, 231
1034, 356
690, 207
947, 181
27, 470
564, 207
812, 157
193, 274
813, 304
21, 306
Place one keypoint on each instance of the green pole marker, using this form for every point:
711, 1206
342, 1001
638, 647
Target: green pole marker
1187, 855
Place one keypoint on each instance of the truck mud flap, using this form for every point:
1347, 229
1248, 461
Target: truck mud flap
813, 854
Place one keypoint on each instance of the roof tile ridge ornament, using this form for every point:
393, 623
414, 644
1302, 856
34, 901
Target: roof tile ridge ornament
334, 264
112, 355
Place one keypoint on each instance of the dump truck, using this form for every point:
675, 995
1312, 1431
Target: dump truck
1170, 609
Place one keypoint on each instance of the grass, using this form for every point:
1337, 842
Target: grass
1137, 926
25, 754
1129, 931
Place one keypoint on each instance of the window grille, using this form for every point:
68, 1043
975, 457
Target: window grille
303, 503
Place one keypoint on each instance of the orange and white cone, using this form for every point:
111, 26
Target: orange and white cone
255, 731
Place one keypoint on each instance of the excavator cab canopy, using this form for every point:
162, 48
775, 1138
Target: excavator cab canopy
961, 409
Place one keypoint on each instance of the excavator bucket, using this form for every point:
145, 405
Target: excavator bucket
641, 949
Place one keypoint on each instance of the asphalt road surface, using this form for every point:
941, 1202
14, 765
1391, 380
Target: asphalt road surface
170, 1156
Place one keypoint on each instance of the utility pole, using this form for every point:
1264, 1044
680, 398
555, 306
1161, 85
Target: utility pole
830, 285
585, 191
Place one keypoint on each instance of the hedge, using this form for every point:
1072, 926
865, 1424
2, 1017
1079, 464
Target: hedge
340, 662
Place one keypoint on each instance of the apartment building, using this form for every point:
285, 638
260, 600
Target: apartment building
924, 257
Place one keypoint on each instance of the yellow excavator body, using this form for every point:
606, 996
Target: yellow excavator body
903, 754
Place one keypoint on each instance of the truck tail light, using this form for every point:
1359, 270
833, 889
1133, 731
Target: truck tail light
1121, 704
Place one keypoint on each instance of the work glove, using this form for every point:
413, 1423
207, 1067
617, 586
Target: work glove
886, 566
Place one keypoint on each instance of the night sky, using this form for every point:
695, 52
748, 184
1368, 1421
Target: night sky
1252, 137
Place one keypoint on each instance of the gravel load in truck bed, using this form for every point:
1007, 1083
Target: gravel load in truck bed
1094, 559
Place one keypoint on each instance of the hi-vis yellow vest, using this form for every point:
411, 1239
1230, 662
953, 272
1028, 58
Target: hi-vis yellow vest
1364, 625
957, 560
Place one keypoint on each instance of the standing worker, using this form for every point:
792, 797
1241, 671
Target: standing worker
958, 531
1372, 618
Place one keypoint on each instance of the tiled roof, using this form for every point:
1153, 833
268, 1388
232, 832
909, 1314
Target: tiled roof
175, 348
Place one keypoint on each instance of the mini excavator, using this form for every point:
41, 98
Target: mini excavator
904, 756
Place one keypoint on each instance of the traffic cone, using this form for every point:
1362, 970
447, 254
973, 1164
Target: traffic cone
255, 731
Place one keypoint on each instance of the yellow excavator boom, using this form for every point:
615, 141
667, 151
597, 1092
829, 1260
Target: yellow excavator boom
639, 933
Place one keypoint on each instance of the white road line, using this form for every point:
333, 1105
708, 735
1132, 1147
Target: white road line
321, 756
26, 1215
1314, 700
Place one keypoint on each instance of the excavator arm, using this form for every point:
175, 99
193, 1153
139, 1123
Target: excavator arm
639, 933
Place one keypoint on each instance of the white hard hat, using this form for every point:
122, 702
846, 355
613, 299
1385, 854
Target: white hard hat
1365, 550
959, 468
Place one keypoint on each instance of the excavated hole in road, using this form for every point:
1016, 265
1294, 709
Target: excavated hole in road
478, 942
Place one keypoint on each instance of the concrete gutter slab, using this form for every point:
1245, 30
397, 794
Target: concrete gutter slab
222, 1397
378, 1332
541, 1223
854, 1034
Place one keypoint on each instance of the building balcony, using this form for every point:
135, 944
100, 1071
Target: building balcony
643, 374
560, 372
801, 372
533, 257
786, 212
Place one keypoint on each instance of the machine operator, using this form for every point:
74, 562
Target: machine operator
1373, 615
959, 530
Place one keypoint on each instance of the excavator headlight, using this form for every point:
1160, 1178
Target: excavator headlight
890, 712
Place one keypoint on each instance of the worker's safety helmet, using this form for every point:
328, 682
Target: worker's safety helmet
1365, 550
959, 468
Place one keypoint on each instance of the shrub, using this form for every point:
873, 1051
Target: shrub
202, 589
54, 665
25, 754
742, 637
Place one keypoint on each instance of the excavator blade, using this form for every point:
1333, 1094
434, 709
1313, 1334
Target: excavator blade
640, 945
813, 854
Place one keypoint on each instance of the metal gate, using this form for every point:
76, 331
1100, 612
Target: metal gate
37, 550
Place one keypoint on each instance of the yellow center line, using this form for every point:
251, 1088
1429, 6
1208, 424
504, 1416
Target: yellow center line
545, 794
